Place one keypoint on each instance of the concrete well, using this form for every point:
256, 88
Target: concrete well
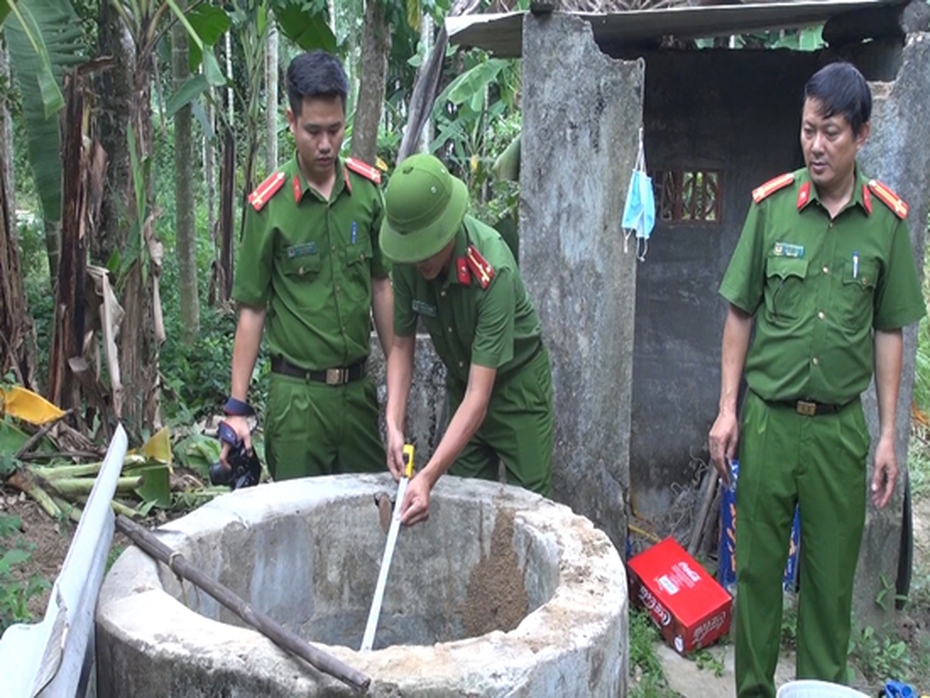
500, 593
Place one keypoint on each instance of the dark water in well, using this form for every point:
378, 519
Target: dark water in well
347, 629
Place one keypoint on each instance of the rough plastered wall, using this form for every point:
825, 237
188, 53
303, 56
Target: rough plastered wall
581, 116
897, 153
705, 111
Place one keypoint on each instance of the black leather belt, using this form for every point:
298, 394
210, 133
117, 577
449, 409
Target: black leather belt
330, 376
810, 408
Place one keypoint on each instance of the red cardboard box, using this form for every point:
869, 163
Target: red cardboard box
690, 607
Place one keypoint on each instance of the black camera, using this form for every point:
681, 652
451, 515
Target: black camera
245, 470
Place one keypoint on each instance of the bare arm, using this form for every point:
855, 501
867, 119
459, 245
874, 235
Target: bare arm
463, 425
889, 349
724, 435
399, 379
245, 351
382, 309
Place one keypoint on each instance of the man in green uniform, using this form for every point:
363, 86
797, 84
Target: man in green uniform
459, 277
311, 270
825, 272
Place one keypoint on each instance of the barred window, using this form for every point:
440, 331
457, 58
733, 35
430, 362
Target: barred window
688, 196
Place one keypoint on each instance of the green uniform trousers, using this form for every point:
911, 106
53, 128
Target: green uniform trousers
316, 429
820, 463
517, 429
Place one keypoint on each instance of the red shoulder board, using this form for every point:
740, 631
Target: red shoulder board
364, 169
773, 185
479, 266
889, 198
264, 191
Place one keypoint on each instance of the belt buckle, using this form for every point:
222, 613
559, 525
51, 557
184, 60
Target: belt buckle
335, 376
808, 409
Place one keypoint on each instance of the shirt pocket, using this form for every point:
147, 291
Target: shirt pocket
784, 288
300, 265
858, 295
358, 270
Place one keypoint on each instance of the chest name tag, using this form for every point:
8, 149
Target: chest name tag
301, 250
422, 308
784, 249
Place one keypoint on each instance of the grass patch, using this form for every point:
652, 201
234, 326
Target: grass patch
647, 680
14, 591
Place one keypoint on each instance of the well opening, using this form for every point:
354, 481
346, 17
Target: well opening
473, 568
501, 592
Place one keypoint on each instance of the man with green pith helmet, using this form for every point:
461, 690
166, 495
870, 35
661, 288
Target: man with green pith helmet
460, 279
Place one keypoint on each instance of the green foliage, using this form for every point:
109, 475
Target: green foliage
648, 679
44, 39
706, 660
14, 591
879, 656
789, 624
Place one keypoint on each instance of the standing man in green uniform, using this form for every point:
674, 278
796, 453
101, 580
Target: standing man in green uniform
825, 271
459, 277
311, 271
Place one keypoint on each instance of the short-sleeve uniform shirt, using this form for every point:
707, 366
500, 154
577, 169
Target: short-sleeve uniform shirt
310, 262
495, 327
819, 288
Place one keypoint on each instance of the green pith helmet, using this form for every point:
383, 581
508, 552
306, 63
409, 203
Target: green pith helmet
424, 207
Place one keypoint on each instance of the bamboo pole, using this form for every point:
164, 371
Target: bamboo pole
270, 628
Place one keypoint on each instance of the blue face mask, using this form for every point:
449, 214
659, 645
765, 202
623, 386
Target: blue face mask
639, 210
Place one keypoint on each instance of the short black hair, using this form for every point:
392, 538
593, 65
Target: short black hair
315, 74
841, 89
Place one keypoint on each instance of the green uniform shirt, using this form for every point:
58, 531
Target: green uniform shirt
818, 287
496, 327
311, 261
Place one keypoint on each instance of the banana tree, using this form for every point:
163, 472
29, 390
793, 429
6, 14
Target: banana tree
40, 39
44, 40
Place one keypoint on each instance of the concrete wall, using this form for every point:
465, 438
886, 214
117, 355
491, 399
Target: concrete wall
732, 111
581, 117
898, 153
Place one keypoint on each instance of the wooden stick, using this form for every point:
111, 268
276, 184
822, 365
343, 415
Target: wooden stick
708, 487
34, 439
270, 628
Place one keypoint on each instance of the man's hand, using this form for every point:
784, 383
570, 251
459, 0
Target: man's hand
395, 452
886, 472
241, 426
724, 437
416, 501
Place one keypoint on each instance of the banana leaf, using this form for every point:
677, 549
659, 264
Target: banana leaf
26, 405
156, 486
40, 51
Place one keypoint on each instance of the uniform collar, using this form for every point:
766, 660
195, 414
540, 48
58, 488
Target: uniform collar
861, 195
459, 273
300, 186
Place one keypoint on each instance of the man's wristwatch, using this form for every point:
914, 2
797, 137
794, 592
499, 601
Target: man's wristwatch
237, 408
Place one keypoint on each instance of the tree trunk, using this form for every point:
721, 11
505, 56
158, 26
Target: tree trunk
184, 194
271, 101
223, 275
17, 351
6, 139
209, 176
115, 89
127, 225
17, 343
68, 323
376, 48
